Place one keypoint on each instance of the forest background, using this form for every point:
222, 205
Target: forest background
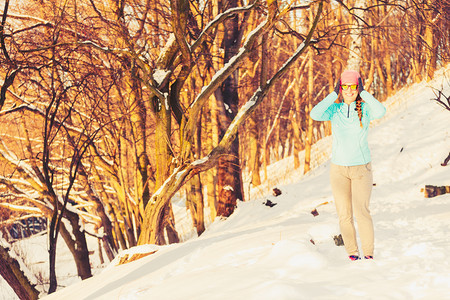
109, 109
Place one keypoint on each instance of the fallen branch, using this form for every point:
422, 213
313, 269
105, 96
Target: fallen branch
446, 161
431, 191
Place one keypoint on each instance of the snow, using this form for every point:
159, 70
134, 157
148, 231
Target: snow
233, 60
200, 161
159, 75
228, 188
284, 252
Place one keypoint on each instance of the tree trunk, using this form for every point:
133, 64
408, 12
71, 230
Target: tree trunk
211, 175
229, 172
80, 251
14, 276
163, 160
293, 116
117, 230
195, 204
377, 62
296, 119
309, 129
194, 201
254, 151
138, 118
369, 78
212, 192
355, 46
169, 225
416, 61
53, 232
429, 43
110, 247
255, 147
213, 123
387, 65
52, 264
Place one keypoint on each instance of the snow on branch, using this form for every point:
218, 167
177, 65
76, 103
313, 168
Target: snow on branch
139, 60
18, 108
221, 75
87, 217
22, 167
17, 192
13, 182
34, 109
21, 208
300, 6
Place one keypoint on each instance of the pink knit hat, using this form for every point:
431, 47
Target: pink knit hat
350, 76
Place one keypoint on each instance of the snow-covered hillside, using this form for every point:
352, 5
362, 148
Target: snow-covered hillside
284, 252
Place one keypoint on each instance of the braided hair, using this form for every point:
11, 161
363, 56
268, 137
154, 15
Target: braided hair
359, 109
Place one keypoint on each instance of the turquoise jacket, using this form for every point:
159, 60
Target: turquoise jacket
350, 146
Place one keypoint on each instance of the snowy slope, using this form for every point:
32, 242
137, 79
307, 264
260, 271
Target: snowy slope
267, 253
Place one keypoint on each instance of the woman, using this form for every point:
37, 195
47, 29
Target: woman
351, 170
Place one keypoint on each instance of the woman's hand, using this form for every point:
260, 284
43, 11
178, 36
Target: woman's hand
360, 85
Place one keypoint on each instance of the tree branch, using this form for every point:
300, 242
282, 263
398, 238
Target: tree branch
187, 170
2, 31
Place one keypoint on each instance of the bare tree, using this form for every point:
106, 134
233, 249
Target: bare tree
187, 170
444, 101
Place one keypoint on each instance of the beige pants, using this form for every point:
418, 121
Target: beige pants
352, 187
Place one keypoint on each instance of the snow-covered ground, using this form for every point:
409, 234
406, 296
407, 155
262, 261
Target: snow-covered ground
284, 252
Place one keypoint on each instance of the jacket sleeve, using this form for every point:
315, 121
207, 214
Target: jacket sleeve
376, 109
323, 111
